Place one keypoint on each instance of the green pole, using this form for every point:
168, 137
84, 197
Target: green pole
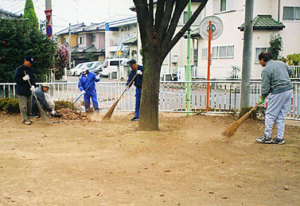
188, 66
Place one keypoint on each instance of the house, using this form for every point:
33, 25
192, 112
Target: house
84, 40
8, 15
121, 38
113, 39
270, 17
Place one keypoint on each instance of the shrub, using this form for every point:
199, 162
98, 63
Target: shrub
293, 59
9, 105
64, 104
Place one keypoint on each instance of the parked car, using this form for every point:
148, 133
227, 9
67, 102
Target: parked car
97, 67
90, 65
76, 70
113, 65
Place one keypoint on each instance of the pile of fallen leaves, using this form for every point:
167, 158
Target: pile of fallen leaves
69, 114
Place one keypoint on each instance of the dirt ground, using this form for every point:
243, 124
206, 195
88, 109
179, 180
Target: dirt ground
187, 162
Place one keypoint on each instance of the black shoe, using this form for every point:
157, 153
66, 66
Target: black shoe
278, 141
265, 140
135, 119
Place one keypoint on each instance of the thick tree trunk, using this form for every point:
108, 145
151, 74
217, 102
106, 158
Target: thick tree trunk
150, 92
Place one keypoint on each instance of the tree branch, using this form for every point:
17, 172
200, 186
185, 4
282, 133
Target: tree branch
172, 43
146, 30
165, 20
180, 5
159, 13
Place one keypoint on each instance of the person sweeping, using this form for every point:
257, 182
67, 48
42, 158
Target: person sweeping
138, 80
22, 76
277, 86
86, 85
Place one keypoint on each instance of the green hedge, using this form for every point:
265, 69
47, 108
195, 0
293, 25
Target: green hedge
9, 105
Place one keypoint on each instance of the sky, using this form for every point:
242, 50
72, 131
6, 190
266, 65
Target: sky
74, 11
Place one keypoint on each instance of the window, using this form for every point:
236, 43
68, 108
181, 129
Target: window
223, 5
185, 17
258, 51
219, 52
230, 51
196, 53
291, 13
93, 38
81, 40
204, 53
223, 52
214, 52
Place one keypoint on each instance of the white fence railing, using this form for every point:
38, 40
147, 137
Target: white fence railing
224, 95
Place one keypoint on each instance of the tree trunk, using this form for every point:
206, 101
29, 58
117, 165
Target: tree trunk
150, 92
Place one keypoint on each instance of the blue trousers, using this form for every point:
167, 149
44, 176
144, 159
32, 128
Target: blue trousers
278, 106
87, 102
138, 93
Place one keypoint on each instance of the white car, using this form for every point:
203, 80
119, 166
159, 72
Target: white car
113, 65
76, 70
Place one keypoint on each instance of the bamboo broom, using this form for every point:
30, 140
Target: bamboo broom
42, 112
112, 108
232, 128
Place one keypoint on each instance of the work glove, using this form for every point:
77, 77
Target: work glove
82, 92
261, 100
98, 77
32, 88
26, 77
139, 72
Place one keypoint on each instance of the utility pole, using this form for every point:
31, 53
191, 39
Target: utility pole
247, 54
49, 7
188, 66
48, 12
70, 46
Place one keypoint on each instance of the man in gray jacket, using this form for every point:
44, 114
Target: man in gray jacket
276, 84
45, 100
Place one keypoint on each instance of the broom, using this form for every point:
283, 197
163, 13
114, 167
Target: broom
112, 108
232, 128
42, 112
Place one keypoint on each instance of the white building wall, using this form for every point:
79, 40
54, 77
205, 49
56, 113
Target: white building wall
222, 68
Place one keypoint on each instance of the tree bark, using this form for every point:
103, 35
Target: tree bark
150, 91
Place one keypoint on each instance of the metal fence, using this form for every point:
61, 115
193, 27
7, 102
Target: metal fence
224, 95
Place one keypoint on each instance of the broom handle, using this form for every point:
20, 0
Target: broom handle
253, 108
127, 87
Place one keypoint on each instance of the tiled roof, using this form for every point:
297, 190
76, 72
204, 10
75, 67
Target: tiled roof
131, 40
74, 29
122, 22
9, 13
264, 22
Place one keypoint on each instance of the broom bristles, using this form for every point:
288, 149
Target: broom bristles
232, 128
110, 111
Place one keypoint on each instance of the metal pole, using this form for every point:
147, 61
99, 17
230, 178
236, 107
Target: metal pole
48, 4
188, 66
247, 54
70, 48
208, 65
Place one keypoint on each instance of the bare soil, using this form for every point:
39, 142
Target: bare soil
186, 162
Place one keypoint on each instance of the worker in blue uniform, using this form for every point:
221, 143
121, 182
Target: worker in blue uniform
136, 69
86, 84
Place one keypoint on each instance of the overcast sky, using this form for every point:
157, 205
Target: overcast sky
74, 11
